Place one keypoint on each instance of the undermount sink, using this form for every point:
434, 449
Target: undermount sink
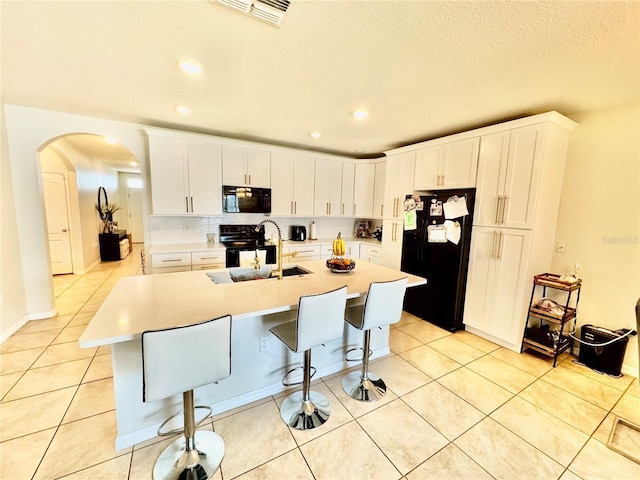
292, 271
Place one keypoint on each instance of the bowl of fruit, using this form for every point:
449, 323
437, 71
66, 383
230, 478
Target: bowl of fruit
338, 263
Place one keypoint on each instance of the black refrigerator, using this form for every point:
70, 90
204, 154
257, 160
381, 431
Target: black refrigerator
431, 251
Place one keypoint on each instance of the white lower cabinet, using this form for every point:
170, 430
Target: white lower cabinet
305, 252
186, 261
171, 262
371, 253
209, 260
498, 284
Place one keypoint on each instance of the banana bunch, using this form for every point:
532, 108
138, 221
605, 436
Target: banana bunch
338, 246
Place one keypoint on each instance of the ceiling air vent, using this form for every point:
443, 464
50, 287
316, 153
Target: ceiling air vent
271, 11
242, 5
272, 14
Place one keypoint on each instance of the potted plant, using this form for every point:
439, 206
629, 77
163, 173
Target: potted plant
106, 215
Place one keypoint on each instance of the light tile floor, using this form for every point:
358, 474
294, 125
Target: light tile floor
458, 407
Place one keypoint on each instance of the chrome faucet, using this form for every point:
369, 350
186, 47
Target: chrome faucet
277, 272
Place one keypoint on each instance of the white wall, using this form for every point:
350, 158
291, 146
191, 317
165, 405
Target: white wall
599, 220
13, 303
28, 131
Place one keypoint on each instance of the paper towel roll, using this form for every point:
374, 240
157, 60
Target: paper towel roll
312, 231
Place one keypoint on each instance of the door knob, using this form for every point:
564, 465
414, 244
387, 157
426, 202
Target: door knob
64, 229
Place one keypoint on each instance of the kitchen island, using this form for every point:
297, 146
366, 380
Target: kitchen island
258, 359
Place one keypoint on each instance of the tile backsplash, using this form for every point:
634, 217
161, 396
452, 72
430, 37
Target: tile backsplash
193, 229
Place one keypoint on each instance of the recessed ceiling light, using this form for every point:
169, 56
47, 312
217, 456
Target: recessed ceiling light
110, 140
183, 110
190, 67
315, 134
360, 114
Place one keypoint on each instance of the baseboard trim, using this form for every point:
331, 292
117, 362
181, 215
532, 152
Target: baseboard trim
42, 315
13, 328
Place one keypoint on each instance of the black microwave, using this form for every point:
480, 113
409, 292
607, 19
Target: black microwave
246, 199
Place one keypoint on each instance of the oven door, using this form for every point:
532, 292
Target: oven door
233, 255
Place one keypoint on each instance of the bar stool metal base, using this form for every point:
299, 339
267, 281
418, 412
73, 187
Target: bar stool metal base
175, 463
369, 389
303, 415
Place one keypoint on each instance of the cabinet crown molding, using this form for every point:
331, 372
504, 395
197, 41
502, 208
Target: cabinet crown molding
552, 117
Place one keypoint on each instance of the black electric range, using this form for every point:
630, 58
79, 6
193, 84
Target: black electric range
238, 238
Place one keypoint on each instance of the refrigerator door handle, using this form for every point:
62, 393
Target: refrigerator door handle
499, 247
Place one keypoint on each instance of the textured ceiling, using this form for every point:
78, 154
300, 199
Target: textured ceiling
422, 68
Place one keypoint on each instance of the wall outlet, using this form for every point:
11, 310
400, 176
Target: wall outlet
264, 343
562, 247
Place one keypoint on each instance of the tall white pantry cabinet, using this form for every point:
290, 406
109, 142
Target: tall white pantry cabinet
518, 188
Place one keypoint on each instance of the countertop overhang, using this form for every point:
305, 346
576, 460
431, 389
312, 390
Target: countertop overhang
152, 302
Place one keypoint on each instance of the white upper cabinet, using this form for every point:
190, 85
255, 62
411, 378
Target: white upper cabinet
243, 166
508, 177
347, 205
185, 176
328, 188
398, 183
378, 189
364, 189
292, 184
452, 165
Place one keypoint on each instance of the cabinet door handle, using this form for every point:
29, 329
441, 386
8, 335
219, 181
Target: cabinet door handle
493, 241
245, 178
329, 208
342, 211
191, 204
249, 179
497, 209
172, 260
504, 208
443, 180
354, 209
499, 247
382, 210
291, 207
186, 204
209, 258
295, 206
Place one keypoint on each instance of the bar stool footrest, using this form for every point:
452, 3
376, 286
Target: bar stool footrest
295, 384
358, 359
178, 431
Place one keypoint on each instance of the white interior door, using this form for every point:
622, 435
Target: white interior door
134, 197
55, 202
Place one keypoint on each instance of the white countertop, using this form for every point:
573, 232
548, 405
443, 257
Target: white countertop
148, 302
204, 246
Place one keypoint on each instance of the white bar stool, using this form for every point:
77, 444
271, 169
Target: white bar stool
383, 306
177, 360
320, 319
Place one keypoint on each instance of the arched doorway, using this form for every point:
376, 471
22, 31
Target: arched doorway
73, 167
